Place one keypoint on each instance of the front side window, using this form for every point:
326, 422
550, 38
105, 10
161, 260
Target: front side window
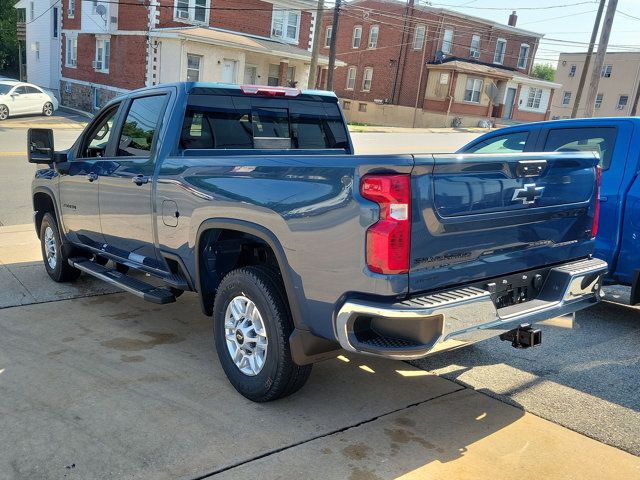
285, 24
474, 50
523, 56
418, 37
623, 100
357, 37
501, 48
351, 78
508, 143
95, 143
473, 90
367, 77
534, 97
327, 36
72, 52
606, 71
373, 36
194, 63
593, 139
566, 99
447, 40
103, 52
140, 126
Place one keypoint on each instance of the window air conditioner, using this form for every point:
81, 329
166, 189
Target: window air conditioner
184, 14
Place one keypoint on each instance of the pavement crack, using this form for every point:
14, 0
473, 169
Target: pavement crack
22, 285
38, 302
324, 435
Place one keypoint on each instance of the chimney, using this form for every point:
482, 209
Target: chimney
513, 18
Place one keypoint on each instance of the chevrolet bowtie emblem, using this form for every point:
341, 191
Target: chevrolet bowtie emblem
528, 194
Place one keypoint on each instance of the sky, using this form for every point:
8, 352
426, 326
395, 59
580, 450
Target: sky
561, 21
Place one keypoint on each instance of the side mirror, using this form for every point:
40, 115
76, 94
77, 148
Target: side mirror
40, 145
15, 94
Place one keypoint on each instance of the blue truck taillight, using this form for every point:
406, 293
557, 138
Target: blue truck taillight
389, 239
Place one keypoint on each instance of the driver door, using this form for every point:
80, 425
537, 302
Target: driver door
80, 181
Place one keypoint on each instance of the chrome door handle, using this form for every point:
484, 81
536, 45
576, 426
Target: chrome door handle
140, 180
92, 176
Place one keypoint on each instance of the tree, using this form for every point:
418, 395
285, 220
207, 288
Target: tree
544, 72
8, 38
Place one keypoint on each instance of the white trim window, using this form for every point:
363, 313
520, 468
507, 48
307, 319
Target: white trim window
572, 70
566, 99
103, 52
356, 40
473, 90
599, 98
71, 57
623, 101
374, 31
501, 49
419, 35
474, 48
285, 24
194, 67
71, 9
606, 71
351, 78
534, 97
36, 49
367, 78
447, 40
327, 36
196, 11
523, 55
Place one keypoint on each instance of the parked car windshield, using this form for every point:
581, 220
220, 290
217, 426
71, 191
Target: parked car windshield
4, 88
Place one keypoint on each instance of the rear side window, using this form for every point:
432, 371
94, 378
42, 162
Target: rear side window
33, 90
507, 143
223, 122
140, 125
594, 139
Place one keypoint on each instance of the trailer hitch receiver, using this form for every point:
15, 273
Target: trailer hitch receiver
523, 337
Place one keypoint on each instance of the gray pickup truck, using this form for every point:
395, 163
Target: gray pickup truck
253, 198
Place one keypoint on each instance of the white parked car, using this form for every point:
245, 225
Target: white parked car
19, 98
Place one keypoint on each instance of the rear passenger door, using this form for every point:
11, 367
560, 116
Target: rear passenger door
126, 206
611, 142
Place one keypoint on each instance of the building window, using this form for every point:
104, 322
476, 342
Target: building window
447, 40
418, 37
71, 12
474, 50
291, 76
351, 78
194, 63
566, 99
501, 48
572, 71
523, 56
273, 78
622, 102
327, 36
373, 36
36, 50
285, 24
55, 22
533, 100
32, 11
473, 89
192, 10
357, 37
606, 71
103, 52
366, 79
362, 107
72, 52
599, 98
346, 105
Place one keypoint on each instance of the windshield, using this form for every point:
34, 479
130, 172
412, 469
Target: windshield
4, 88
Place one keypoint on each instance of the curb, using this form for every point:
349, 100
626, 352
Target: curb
75, 110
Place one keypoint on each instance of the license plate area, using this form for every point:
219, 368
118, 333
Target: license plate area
515, 288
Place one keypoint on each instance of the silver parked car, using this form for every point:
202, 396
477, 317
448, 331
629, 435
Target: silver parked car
19, 98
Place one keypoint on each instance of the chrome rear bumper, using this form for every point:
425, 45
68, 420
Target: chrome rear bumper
423, 325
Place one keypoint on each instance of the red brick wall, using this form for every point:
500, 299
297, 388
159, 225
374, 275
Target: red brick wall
527, 116
127, 64
133, 16
71, 23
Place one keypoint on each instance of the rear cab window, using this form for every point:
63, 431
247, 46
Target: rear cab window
587, 139
243, 122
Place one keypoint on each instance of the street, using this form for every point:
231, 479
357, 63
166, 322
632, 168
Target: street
99, 384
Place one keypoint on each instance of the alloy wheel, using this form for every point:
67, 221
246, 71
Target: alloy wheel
245, 335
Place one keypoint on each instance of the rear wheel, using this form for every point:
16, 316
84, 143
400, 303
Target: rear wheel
47, 110
4, 112
252, 325
55, 261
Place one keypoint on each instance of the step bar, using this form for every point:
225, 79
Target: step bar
141, 289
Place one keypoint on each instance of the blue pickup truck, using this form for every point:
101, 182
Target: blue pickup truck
252, 197
617, 141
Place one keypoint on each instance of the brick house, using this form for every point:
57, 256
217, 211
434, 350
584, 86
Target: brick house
111, 47
415, 65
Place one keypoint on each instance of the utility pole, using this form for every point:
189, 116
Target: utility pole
602, 50
587, 61
334, 37
317, 31
634, 108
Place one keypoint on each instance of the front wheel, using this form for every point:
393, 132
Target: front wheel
55, 261
47, 110
252, 325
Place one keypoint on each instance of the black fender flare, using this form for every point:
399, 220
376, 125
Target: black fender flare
47, 191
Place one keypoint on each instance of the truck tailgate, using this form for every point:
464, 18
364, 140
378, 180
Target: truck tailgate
481, 216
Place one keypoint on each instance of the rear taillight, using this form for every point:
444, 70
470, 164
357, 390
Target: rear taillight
596, 213
388, 240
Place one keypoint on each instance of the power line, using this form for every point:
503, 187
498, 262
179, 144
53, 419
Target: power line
550, 7
43, 13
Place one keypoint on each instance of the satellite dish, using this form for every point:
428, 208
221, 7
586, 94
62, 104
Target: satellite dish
101, 10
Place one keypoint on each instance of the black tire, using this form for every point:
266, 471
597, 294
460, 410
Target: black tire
59, 270
47, 109
280, 375
4, 112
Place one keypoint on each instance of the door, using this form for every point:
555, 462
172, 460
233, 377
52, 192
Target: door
19, 103
509, 102
80, 180
229, 70
126, 208
250, 75
36, 100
